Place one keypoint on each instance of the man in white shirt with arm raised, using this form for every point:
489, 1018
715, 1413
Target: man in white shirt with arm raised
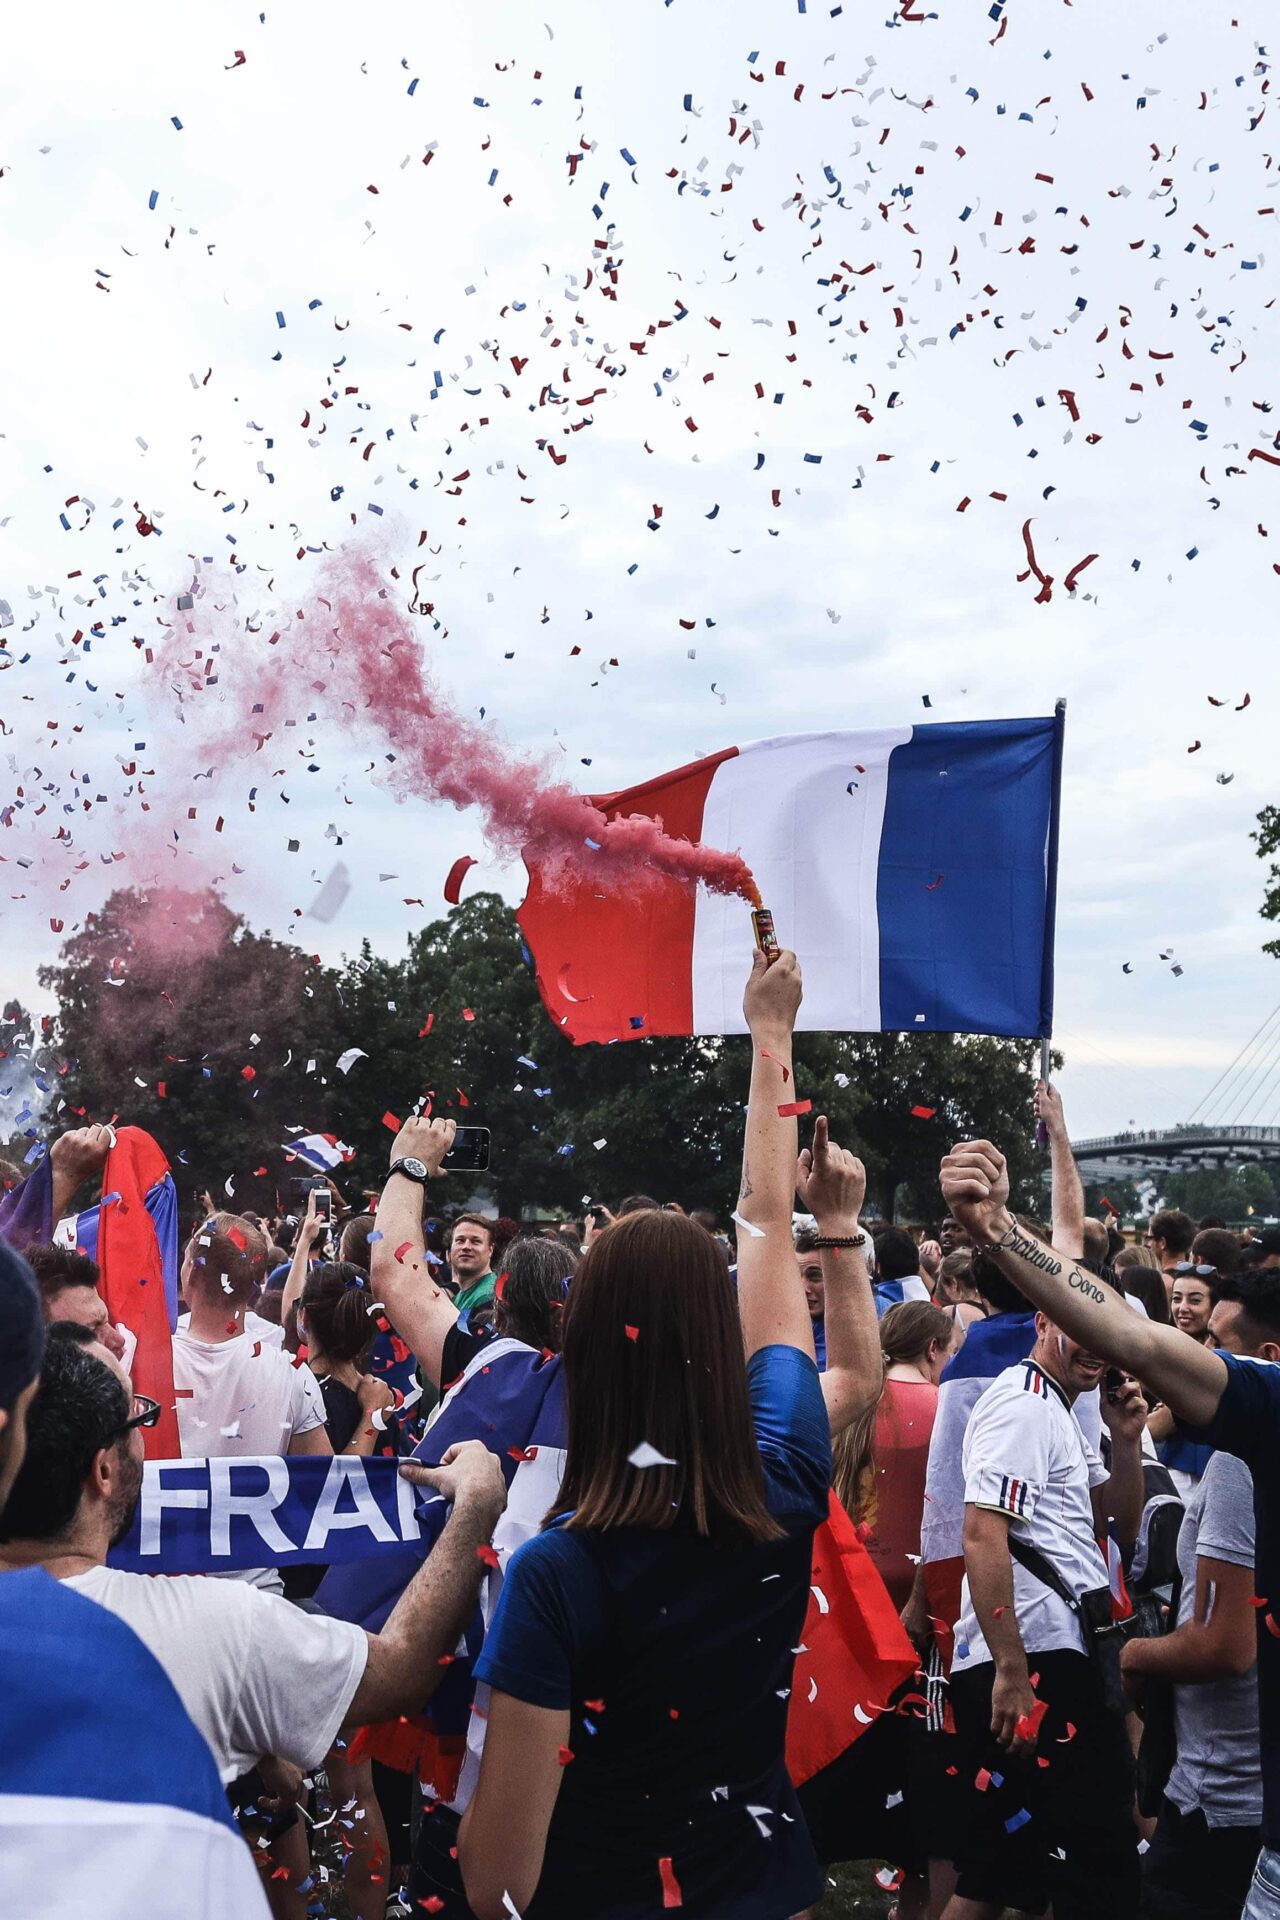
1049, 1759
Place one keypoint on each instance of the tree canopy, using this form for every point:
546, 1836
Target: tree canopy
175, 1015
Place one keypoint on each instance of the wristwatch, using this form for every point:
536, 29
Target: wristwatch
411, 1169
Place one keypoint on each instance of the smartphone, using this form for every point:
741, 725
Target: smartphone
766, 936
469, 1152
1114, 1382
324, 1204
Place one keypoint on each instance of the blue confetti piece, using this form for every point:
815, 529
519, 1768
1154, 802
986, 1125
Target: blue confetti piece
313, 304
177, 123
714, 511
493, 176
152, 198
636, 1021
413, 87
279, 318
688, 103
375, 509
813, 459
1020, 1819
1192, 552
629, 158
593, 844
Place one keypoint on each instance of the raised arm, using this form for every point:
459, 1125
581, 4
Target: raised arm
831, 1185
420, 1311
1188, 1377
1066, 1188
770, 1303
310, 1228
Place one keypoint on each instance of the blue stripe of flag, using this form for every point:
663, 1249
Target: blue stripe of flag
967, 873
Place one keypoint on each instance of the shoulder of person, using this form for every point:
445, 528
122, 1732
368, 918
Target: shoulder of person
1225, 1478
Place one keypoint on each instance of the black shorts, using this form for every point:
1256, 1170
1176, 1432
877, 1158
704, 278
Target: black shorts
1061, 1832
1193, 1871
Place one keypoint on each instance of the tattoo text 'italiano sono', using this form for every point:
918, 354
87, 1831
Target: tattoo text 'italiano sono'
1021, 1244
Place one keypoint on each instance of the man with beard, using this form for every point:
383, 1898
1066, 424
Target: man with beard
257, 1675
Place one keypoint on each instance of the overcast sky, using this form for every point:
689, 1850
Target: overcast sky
985, 213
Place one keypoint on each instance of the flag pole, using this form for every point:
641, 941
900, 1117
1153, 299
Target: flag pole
1046, 1039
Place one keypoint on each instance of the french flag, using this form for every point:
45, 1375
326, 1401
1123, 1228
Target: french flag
323, 1151
912, 868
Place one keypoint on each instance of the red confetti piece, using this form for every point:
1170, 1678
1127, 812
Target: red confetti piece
786, 1071
632, 1333
424, 1031
791, 1108
248, 1073
595, 1706
486, 1556
467, 1014
432, 1904
390, 1122
457, 873
400, 1351
522, 1453
671, 1894
982, 1779
500, 1286
406, 1246
932, 886
923, 1113
1064, 1739
1028, 1724
162, 1089
1269, 1621
565, 1756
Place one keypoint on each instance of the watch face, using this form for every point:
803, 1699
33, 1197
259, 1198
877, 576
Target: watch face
415, 1169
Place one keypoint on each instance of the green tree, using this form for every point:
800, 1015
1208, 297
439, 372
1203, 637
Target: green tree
1267, 840
1232, 1192
220, 1041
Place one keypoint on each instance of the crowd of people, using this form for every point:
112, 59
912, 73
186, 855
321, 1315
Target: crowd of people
1045, 1443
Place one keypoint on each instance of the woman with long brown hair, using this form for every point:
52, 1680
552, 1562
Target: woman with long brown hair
640, 1657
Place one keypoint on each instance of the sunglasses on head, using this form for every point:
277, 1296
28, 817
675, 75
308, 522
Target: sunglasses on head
1189, 1266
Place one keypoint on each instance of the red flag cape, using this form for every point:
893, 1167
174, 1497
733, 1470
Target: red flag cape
133, 1277
854, 1651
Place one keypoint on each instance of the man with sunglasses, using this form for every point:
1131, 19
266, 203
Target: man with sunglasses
257, 1675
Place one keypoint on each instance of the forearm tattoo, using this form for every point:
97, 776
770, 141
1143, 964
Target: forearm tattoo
1020, 1243
1023, 1247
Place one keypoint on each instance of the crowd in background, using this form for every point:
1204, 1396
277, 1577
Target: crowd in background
1064, 1520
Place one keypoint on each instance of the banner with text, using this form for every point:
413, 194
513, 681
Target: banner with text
221, 1515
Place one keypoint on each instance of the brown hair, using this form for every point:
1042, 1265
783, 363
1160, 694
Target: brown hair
653, 1355
1174, 1227
530, 1292
335, 1298
909, 1330
955, 1277
353, 1247
228, 1248
474, 1220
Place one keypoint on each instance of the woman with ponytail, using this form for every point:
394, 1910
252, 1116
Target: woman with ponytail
337, 1330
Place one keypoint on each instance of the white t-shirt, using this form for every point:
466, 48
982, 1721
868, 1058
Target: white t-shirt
240, 1396
1025, 1456
256, 1675
255, 1326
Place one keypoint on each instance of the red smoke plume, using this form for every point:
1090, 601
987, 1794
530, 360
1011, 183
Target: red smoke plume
354, 651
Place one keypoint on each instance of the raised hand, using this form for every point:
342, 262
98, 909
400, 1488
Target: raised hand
975, 1186
831, 1183
425, 1140
773, 995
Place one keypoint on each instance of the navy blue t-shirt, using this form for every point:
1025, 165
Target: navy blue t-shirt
674, 1658
1247, 1424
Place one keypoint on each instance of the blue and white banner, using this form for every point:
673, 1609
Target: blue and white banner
217, 1516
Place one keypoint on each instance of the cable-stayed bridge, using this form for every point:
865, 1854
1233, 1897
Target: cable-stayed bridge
1237, 1120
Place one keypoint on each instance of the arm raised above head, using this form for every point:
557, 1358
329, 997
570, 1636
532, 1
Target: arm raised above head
1189, 1378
